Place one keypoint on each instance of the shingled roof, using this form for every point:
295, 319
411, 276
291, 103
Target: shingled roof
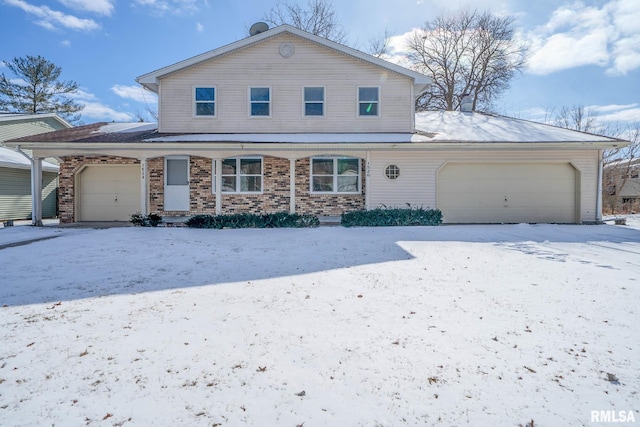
97, 132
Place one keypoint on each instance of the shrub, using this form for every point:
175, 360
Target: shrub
385, 217
151, 220
154, 219
247, 220
137, 219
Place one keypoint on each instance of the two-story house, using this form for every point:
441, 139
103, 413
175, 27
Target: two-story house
287, 121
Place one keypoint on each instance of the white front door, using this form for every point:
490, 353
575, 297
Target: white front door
176, 183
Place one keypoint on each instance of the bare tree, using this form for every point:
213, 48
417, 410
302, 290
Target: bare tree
621, 177
379, 45
466, 54
319, 18
581, 119
620, 165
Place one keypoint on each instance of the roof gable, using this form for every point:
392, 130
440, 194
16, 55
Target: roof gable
151, 80
48, 117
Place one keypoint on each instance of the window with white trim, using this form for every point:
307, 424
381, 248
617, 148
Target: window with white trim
313, 101
260, 102
335, 175
368, 101
242, 175
205, 101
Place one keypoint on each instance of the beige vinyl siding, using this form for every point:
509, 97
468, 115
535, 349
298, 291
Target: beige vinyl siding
49, 194
15, 193
261, 65
417, 184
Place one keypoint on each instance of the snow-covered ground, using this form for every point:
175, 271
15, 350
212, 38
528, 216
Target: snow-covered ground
453, 325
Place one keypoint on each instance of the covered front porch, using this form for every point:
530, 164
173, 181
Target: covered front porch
99, 188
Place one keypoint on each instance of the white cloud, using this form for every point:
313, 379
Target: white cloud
161, 7
136, 93
397, 48
82, 95
578, 35
199, 27
100, 7
628, 113
65, 43
562, 51
97, 110
53, 19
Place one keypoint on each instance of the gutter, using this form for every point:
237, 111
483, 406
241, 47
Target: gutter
19, 150
92, 147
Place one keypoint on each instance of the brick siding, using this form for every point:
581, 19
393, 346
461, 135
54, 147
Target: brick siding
275, 197
69, 166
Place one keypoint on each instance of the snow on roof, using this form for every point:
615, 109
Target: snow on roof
438, 128
300, 138
126, 127
13, 159
455, 126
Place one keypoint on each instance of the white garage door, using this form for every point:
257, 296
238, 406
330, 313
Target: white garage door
109, 192
507, 192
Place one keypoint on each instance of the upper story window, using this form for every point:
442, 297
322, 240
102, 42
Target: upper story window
368, 101
314, 101
205, 101
242, 175
260, 101
335, 175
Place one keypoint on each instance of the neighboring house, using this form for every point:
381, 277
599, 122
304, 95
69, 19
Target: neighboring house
288, 121
622, 185
15, 175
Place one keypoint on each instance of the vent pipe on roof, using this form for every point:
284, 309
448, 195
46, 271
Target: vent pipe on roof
257, 28
466, 106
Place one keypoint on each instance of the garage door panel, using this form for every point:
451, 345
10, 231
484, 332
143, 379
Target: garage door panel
507, 193
109, 193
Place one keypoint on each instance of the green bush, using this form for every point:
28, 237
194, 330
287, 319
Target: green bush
151, 220
388, 217
247, 220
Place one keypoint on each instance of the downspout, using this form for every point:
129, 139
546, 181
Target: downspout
35, 221
599, 191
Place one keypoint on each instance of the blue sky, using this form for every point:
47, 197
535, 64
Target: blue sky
582, 52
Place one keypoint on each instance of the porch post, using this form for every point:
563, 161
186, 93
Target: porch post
367, 183
218, 185
144, 181
292, 186
36, 192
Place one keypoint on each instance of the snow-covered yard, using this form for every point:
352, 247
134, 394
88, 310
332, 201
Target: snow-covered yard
453, 325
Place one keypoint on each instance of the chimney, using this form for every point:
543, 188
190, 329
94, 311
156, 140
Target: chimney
466, 106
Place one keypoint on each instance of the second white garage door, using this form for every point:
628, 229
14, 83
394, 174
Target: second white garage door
108, 192
507, 192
